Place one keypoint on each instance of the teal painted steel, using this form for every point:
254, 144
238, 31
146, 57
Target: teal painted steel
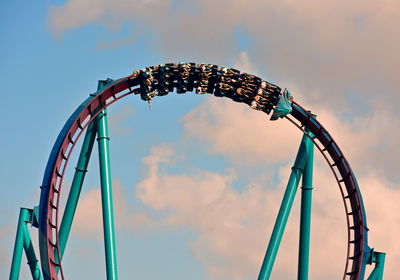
305, 214
284, 106
23, 242
85, 109
284, 210
379, 260
106, 196
19, 244
30, 255
76, 186
380, 264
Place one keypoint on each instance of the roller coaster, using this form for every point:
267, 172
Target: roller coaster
91, 117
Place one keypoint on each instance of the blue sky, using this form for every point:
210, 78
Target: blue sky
338, 59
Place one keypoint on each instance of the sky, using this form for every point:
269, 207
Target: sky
198, 180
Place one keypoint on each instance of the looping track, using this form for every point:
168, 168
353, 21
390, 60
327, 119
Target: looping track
204, 78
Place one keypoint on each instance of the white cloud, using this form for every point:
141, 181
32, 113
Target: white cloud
326, 51
381, 198
74, 14
228, 219
88, 217
244, 135
335, 47
117, 119
243, 63
237, 131
234, 226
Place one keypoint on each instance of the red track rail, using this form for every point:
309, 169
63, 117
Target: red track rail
86, 113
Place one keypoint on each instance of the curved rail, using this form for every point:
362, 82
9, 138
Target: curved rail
357, 230
204, 78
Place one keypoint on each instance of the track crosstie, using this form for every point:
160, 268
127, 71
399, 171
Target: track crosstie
203, 78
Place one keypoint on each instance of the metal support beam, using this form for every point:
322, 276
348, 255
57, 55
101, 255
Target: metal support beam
305, 214
106, 194
23, 241
379, 259
76, 186
284, 210
19, 244
30, 255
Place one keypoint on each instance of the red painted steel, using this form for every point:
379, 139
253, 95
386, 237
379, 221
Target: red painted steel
124, 87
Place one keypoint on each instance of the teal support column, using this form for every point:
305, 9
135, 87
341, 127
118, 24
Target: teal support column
305, 214
379, 260
380, 264
24, 216
106, 196
23, 242
76, 186
30, 255
284, 210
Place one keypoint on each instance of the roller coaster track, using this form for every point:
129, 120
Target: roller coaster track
202, 78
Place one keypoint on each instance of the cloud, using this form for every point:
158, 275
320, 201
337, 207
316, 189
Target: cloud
102, 45
88, 217
382, 198
74, 14
335, 48
234, 226
244, 135
338, 57
88, 214
240, 133
117, 119
205, 201
227, 219
243, 63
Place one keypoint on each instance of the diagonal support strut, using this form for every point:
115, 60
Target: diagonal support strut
284, 211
